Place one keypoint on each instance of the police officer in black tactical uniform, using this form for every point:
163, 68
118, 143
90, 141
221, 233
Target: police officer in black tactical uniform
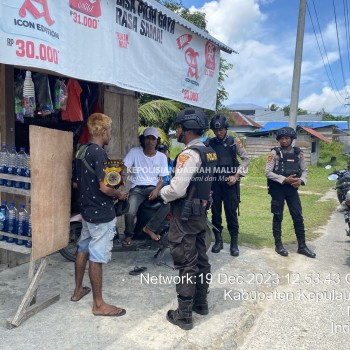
188, 193
286, 171
226, 185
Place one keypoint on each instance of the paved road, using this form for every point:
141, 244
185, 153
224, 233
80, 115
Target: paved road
318, 314
256, 302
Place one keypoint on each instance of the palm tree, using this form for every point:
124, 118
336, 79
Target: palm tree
159, 113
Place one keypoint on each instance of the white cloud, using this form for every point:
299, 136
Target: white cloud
233, 20
263, 69
327, 99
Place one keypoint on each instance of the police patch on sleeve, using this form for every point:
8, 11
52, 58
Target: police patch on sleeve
239, 142
269, 157
113, 170
181, 160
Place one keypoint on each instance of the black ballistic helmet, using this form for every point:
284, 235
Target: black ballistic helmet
163, 148
286, 131
219, 121
192, 118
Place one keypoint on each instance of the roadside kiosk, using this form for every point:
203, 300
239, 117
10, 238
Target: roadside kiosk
123, 47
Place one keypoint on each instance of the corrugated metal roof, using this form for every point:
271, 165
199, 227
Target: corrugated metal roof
312, 124
243, 106
316, 134
242, 120
178, 19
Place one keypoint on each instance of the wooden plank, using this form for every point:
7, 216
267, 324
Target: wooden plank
34, 309
13, 190
3, 233
123, 111
7, 133
30, 293
15, 248
15, 178
51, 168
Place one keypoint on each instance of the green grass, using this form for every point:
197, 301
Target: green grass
174, 151
255, 218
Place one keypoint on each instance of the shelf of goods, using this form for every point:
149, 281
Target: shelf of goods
14, 190
51, 165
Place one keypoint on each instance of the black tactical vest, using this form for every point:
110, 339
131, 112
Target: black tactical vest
288, 163
227, 156
200, 185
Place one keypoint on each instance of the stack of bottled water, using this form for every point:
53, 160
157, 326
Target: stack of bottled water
26, 185
28, 244
22, 226
14, 163
12, 222
3, 219
3, 163
21, 166
17, 222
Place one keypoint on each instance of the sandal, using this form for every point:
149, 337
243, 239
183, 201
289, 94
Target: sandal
117, 312
127, 241
137, 270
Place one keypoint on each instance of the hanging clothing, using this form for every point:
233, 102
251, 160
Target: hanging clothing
73, 112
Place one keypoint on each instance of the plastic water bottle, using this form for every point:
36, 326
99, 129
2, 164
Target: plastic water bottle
3, 222
26, 185
3, 163
28, 101
12, 222
22, 224
28, 244
21, 166
12, 165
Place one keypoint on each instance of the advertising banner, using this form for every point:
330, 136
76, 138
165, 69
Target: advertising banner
127, 43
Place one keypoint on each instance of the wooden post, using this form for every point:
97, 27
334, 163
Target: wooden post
7, 134
27, 307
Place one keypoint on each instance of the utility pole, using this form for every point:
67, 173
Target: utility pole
297, 66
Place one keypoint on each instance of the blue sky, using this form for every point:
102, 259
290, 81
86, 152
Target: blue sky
263, 32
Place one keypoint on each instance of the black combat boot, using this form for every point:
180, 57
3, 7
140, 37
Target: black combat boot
279, 247
218, 245
233, 246
304, 250
182, 316
200, 302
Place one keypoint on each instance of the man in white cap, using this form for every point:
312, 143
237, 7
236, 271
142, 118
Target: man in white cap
146, 168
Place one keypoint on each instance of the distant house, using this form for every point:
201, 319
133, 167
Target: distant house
249, 109
342, 136
274, 117
330, 129
263, 115
241, 124
310, 124
260, 143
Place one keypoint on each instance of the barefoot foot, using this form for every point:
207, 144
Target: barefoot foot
150, 233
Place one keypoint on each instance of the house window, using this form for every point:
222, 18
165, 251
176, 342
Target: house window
313, 147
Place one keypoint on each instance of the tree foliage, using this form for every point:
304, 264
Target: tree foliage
274, 107
286, 110
159, 113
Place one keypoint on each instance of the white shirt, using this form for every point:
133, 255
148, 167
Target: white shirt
144, 170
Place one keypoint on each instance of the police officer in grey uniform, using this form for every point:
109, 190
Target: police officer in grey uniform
188, 193
226, 185
286, 171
